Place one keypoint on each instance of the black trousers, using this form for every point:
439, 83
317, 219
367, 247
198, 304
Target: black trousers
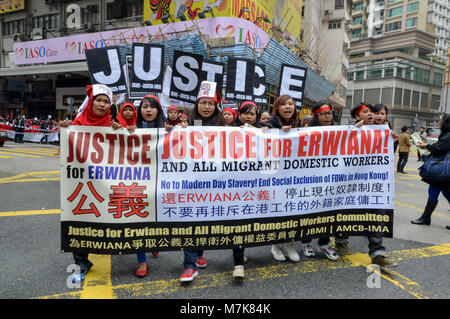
402, 160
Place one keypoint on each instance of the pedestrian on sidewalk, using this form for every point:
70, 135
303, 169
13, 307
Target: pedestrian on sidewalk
441, 147
403, 149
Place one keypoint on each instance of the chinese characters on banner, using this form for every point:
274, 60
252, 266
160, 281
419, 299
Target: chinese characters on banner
216, 188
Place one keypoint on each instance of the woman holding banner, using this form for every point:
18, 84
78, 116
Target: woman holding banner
248, 114
95, 111
285, 117
229, 114
206, 113
322, 116
363, 113
149, 115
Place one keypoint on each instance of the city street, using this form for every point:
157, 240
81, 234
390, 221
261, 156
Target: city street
33, 265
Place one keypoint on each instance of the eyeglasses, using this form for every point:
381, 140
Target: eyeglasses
206, 102
329, 113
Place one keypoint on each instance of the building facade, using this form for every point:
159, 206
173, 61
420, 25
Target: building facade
326, 43
390, 60
42, 42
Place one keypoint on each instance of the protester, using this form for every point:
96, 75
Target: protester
441, 147
363, 113
285, 117
417, 138
265, 116
403, 150
205, 113
183, 119
127, 116
149, 115
322, 116
172, 115
229, 114
248, 114
95, 111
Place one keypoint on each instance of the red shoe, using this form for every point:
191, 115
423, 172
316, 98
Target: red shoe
188, 275
201, 262
155, 253
142, 272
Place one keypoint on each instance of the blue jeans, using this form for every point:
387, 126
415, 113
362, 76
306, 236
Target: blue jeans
141, 258
189, 258
433, 193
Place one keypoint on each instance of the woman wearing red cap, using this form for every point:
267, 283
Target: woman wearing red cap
172, 115
95, 111
229, 114
248, 114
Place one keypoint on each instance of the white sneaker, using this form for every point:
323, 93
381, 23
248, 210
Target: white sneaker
238, 271
329, 252
290, 251
307, 249
277, 253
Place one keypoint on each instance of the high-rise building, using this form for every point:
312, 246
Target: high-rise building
390, 60
326, 43
438, 14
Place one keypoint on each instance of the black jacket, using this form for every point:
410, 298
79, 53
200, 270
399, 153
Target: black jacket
441, 147
274, 122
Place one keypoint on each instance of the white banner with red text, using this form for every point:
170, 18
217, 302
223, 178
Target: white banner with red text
222, 187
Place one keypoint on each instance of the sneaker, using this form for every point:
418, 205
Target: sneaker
201, 262
383, 260
188, 275
238, 271
78, 277
277, 253
289, 250
307, 249
329, 252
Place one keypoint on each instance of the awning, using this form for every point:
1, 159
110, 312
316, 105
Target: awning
45, 69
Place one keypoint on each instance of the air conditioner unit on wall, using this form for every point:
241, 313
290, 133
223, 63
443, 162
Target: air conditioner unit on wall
327, 12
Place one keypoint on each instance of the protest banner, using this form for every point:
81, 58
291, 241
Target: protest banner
147, 71
222, 187
106, 68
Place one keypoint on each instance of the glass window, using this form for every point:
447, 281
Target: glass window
411, 22
412, 7
393, 26
437, 80
359, 75
356, 34
339, 4
357, 20
388, 72
394, 12
421, 75
358, 6
334, 25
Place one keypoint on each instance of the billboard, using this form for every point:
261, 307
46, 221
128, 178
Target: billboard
7, 6
280, 18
